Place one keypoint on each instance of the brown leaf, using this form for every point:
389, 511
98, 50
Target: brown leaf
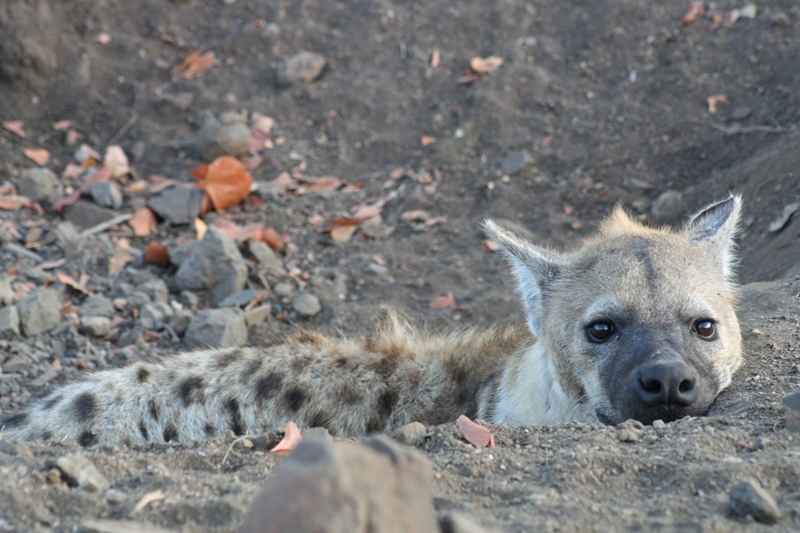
156, 254
435, 220
62, 125
68, 280
443, 302
143, 222
415, 215
14, 202
363, 212
16, 127
696, 9
325, 183
712, 102
485, 65
227, 182
344, 221
195, 65
40, 156
116, 161
291, 438
476, 434
427, 139
137, 187
342, 233
271, 237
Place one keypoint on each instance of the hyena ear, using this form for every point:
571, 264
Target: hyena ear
713, 230
534, 268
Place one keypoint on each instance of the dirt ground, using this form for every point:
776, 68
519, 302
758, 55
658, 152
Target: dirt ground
608, 101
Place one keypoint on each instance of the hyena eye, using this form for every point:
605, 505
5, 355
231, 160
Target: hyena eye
600, 331
705, 328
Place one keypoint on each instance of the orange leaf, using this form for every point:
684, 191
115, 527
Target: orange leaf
62, 125
143, 222
363, 212
695, 10
227, 182
345, 221
485, 65
12, 203
15, 126
40, 156
156, 254
435, 220
443, 302
291, 438
194, 65
199, 173
67, 280
342, 233
271, 237
476, 434
137, 187
325, 183
427, 139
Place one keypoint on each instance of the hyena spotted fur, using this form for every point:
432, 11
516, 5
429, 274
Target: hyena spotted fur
635, 323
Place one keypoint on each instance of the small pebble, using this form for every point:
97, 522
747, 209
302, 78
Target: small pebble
306, 304
748, 497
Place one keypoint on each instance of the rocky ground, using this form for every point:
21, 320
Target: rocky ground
375, 151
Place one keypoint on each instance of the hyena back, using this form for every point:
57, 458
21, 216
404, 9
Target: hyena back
634, 323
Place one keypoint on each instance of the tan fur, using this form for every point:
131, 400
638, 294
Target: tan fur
655, 283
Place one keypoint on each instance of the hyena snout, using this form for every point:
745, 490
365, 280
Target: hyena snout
666, 380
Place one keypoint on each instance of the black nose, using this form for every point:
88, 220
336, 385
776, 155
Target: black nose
668, 382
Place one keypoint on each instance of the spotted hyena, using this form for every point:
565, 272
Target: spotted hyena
634, 323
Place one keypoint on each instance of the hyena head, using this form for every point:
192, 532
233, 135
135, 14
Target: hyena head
639, 323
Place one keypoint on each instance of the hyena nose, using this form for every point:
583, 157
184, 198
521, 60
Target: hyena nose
670, 382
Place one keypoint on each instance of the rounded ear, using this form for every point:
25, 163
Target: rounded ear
534, 268
713, 230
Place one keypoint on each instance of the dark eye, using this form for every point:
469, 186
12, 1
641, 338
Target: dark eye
600, 331
705, 328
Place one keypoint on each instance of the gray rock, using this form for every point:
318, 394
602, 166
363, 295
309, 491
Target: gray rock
379, 486
217, 328
304, 67
741, 113
667, 206
180, 321
18, 363
791, 406
156, 289
85, 214
98, 305
178, 205
265, 255
66, 234
228, 135
189, 299
283, 289
154, 315
39, 185
119, 526
239, 299
99, 326
178, 254
515, 161
214, 264
39, 312
131, 337
9, 322
306, 304
257, 315
79, 472
6, 291
174, 102
107, 194
139, 298
747, 497
412, 433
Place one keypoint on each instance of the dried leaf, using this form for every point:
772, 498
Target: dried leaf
325, 183
227, 182
143, 222
14, 202
427, 139
712, 102
68, 280
415, 215
70, 199
476, 434
195, 65
696, 9
344, 221
485, 65
116, 161
271, 237
363, 212
200, 227
137, 187
40, 156
156, 254
62, 125
72, 171
435, 220
342, 233
436, 57
16, 127
291, 438
264, 124
199, 173
147, 499
49, 265
118, 261
443, 302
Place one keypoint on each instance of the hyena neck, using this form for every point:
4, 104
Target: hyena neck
531, 392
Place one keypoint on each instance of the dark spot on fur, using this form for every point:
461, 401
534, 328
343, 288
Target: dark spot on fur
228, 358
190, 391
87, 438
294, 399
321, 419
142, 374
301, 363
154, 409
641, 247
46, 435
384, 366
237, 426
171, 376
49, 404
386, 402
268, 387
84, 406
349, 395
376, 424
307, 337
143, 430
14, 421
210, 430
343, 362
252, 368
170, 433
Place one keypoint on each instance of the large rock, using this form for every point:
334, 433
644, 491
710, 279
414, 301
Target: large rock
215, 264
9, 322
40, 311
178, 205
39, 185
217, 328
85, 214
323, 487
228, 135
